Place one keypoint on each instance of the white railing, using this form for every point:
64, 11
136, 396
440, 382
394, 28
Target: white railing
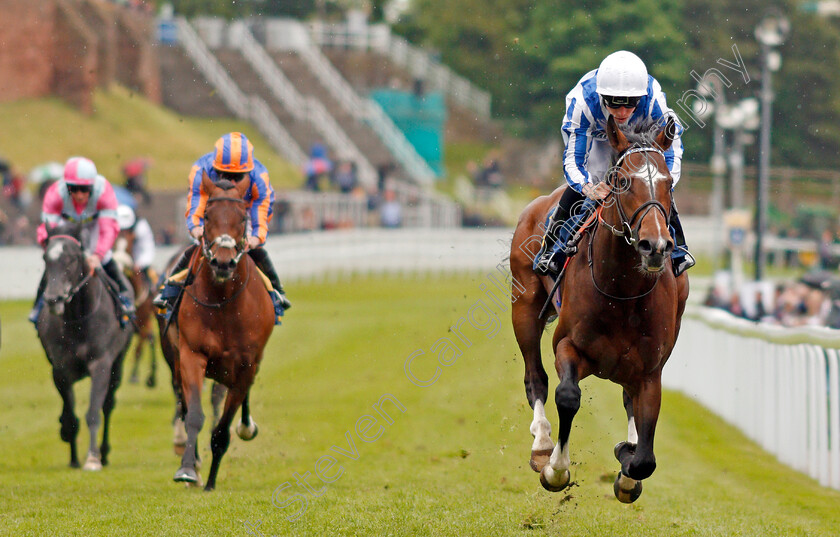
301, 108
252, 108
780, 386
322, 255
378, 37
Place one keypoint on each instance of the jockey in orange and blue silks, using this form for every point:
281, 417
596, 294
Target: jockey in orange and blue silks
622, 88
233, 159
84, 197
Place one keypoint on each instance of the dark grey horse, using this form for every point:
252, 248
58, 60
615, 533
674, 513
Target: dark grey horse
81, 333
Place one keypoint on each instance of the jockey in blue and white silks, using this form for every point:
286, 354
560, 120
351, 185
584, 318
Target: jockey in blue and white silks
621, 87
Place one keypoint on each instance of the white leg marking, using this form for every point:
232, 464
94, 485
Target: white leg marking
632, 434
541, 428
560, 459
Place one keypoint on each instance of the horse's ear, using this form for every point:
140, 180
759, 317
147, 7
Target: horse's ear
667, 135
207, 184
617, 139
243, 186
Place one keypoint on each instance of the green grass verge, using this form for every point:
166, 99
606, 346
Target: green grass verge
454, 463
40, 130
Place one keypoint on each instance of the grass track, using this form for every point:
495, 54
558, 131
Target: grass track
455, 463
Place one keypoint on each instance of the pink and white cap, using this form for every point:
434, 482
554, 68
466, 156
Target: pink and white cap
79, 171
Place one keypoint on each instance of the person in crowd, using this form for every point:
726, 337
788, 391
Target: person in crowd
317, 167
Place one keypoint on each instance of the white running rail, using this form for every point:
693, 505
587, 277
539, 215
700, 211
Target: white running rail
779, 386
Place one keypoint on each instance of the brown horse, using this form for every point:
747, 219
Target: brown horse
142, 285
620, 313
222, 326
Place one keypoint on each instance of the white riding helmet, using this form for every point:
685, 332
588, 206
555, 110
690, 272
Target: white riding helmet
622, 74
125, 216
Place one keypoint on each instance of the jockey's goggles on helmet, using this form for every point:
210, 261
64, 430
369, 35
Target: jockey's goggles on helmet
620, 102
232, 176
79, 188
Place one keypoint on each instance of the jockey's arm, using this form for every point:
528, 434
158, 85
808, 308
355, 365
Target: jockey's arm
50, 212
577, 134
196, 199
659, 112
262, 196
106, 207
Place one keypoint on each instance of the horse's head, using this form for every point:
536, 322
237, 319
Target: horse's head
641, 192
225, 220
66, 268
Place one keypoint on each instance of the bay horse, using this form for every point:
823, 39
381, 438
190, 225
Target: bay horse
221, 328
142, 285
620, 309
82, 336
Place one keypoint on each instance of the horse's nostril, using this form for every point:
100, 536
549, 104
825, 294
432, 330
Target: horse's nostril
645, 247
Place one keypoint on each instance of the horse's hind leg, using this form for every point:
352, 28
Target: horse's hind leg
220, 440
138, 356
69, 422
151, 381
528, 329
556, 476
247, 428
637, 459
108, 406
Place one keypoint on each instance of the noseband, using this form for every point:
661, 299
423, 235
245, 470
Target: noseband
224, 240
626, 228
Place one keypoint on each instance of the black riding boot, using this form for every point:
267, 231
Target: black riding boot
260, 257
170, 291
548, 260
114, 273
681, 259
38, 304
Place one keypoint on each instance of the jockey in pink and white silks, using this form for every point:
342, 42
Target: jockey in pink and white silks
232, 159
621, 87
84, 197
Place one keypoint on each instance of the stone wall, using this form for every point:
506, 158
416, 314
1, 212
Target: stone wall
69, 47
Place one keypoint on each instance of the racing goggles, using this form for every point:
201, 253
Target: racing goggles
620, 102
79, 188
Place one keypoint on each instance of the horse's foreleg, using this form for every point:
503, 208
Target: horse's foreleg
528, 330
192, 368
220, 440
556, 475
637, 459
138, 355
217, 397
247, 428
100, 379
69, 422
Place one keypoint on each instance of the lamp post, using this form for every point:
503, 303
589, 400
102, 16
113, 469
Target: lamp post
770, 33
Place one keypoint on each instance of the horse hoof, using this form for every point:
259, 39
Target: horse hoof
247, 433
622, 447
186, 475
74, 464
547, 475
539, 458
133, 379
92, 464
150, 382
623, 494
179, 449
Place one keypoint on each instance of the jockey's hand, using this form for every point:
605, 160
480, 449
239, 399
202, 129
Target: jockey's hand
596, 192
197, 232
253, 242
94, 262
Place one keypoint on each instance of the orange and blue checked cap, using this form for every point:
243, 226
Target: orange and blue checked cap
234, 153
